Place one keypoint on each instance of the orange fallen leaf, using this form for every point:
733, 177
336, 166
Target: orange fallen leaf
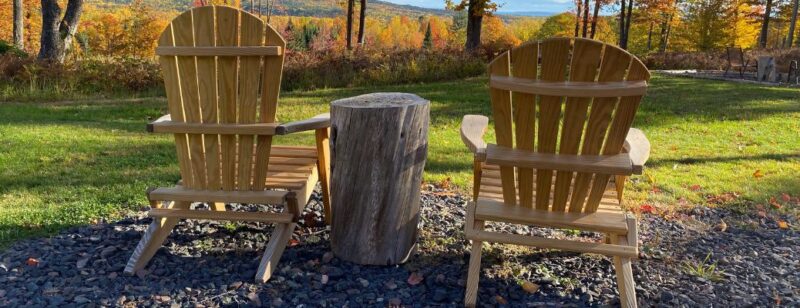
762, 213
721, 226
656, 190
783, 224
530, 287
695, 187
32, 262
500, 300
786, 197
415, 278
646, 208
758, 174
774, 203
293, 242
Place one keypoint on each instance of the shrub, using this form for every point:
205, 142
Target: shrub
26, 78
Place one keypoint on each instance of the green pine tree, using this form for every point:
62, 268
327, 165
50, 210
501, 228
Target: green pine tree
427, 43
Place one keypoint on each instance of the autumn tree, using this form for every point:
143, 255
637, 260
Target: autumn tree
58, 32
476, 9
556, 26
427, 42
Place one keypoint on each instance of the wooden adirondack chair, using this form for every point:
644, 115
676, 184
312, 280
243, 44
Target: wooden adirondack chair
551, 168
217, 61
736, 61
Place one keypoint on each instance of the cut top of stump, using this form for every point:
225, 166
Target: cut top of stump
381, 100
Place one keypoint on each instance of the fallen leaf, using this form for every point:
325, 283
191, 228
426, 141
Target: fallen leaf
774, 203
786, 197
293, 242
721, 226
415, 278
695, 187
646, 208
500, 300
783, 224
254, 299
530, 287
762, 213
656, 190
32, 262
758, 174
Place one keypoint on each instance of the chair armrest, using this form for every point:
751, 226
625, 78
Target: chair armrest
317, 122
472, 129
638, 148
164, 118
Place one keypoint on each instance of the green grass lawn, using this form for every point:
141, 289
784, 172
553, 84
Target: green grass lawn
64, 164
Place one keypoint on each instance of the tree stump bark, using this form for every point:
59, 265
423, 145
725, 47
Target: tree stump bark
379, 144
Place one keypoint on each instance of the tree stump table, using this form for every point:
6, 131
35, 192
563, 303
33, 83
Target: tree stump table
379, 144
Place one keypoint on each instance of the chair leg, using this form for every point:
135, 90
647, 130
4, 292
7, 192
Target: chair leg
323, 166
474, 270
274, 250
152, 239
627, 288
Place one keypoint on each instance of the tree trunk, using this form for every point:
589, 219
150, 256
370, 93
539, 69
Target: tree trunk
667, 30
362, 22
259, 8
628, 21
19, 40
594, 17
474, 21
790, 38
57, 34
650, 37
350, 4
379, 146
762, 40
585, 18
578, 11
622, 23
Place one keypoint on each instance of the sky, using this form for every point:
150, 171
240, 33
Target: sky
508, 6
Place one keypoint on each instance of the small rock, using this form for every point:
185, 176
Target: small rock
327, 257
254, 299
363, 282
82, 262
107, 251
395, 302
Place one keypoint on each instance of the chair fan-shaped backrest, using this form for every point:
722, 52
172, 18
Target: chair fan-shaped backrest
565, 96
217, 62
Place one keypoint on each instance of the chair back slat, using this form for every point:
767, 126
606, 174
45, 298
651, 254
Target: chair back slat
204, 36
567, 125
621, 123
613, 68
583, 67
227, 32
269, 101
169, 69
207, 88
501, 111
251, 34
554, 55
183, 33
524, 65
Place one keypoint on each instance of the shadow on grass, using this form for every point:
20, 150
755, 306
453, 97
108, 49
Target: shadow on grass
677, 100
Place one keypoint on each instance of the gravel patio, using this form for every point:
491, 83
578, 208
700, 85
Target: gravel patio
207, 264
